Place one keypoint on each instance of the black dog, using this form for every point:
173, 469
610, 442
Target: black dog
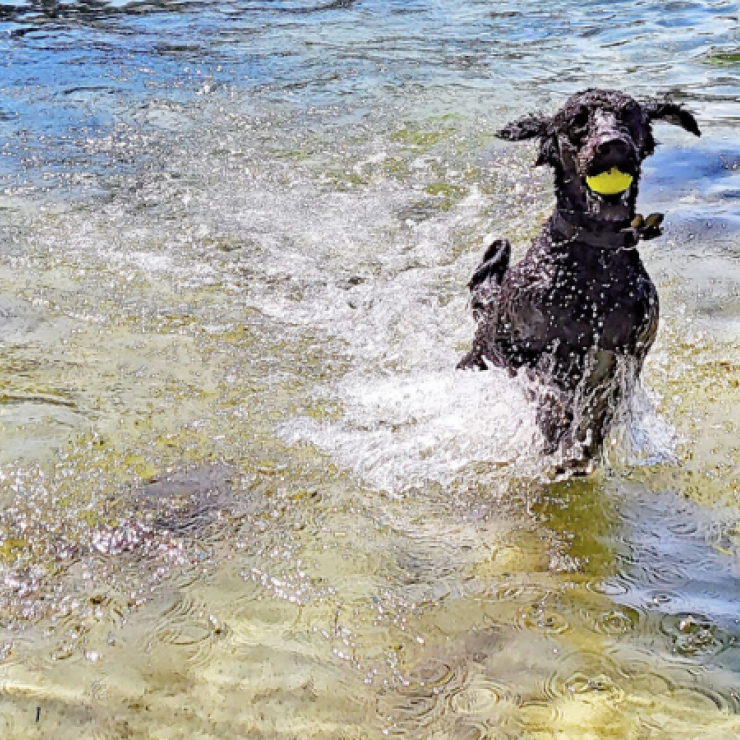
579, 312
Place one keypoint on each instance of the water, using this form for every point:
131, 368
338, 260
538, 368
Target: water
243, 491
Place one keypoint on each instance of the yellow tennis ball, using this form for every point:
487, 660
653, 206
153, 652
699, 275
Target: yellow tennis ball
610, 183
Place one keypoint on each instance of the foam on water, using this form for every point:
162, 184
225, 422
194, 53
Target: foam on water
399, 432
403, 431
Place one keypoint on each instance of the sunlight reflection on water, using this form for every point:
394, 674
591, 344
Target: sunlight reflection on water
243, 491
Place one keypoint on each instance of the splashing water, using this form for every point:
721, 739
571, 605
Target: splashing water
401, 432
243, 492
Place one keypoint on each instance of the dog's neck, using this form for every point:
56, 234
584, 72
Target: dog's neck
579, 216
568, 226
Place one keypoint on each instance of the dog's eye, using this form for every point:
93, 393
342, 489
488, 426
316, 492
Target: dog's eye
577, 126
580, 120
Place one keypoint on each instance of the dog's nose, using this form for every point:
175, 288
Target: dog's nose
614, 149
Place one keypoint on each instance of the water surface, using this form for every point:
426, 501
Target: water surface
243, 491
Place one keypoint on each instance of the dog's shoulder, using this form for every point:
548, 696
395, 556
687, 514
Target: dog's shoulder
535, 271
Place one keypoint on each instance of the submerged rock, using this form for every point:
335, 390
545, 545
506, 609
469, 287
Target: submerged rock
188, 503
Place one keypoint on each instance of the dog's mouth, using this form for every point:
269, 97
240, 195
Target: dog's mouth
609, 183
608, 186
610, 170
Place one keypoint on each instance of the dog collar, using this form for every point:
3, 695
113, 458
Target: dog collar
602, 237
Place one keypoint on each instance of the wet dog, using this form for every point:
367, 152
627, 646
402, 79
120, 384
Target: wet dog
579, 312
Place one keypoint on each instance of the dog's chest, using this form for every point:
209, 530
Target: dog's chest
605, 299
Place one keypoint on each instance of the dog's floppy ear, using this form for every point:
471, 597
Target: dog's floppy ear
529, 127
533, 127
672, 113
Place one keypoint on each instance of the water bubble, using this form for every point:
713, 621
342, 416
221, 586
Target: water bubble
544, 620
617, 621
693, 635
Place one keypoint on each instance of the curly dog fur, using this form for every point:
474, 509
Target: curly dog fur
579, 312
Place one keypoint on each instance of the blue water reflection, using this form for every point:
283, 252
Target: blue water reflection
71, 71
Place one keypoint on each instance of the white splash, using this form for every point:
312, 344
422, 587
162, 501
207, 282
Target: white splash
403, 431
647, 438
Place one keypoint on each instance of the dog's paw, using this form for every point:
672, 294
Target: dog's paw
648, 228
494, 264
652, 227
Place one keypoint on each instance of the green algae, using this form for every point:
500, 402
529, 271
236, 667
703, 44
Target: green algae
420, 139
297, 155
722, 59
448, 191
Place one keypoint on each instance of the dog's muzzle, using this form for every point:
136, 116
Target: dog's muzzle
612, 163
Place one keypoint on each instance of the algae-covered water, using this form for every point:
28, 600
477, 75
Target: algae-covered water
243, 493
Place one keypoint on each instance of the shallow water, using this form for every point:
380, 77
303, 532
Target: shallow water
243, 491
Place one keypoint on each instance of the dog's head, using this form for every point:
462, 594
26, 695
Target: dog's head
596, 144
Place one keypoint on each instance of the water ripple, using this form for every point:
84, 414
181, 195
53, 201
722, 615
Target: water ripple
544, 619
695, 636
231, 218
419, 697
617, 621
584, 674
480, 697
